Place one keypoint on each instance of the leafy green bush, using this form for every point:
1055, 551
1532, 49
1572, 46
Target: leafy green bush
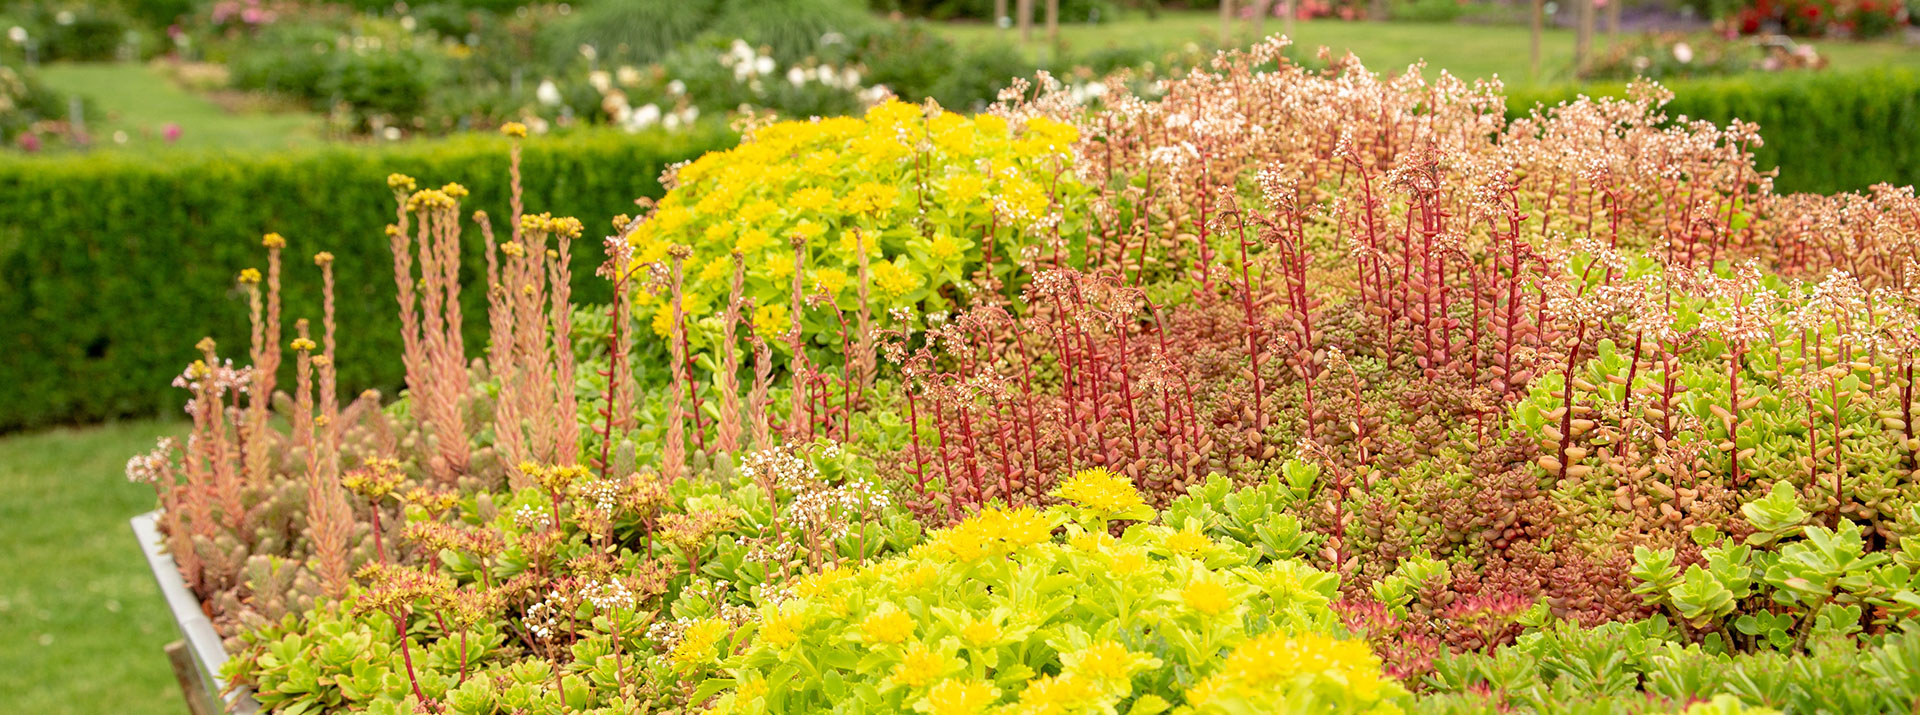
1427, 10
383, 74
107, 260
1070, 10
638, 32
792, 28
917, 63
75, 31
24, 100
646, 32
1826, 132
288, 58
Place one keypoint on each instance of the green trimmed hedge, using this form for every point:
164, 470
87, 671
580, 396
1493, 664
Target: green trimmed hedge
111, 267
1826, 131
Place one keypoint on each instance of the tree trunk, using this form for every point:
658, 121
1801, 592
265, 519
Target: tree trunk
1291, 9
1533, 54
999, 13
1260, 10
1226, 23
1613, 20
1053, 22
1023, 17
1583, 37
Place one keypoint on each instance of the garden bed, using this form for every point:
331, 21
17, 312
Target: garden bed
1282, 391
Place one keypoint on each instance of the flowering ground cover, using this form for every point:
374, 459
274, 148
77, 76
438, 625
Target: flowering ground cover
1285, 390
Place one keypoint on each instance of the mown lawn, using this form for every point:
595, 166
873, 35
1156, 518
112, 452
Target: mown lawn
138, 100
81, 622
1466, 50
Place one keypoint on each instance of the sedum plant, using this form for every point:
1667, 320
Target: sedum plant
1787, 582
998, 613
884, 212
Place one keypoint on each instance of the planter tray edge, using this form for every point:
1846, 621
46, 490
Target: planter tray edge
203, 642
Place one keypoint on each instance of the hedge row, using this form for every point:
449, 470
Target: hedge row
1826, 131
111, 267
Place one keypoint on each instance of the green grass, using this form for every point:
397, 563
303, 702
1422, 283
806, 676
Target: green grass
140, 101
83, 622
1466, 50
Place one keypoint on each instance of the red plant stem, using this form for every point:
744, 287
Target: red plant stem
1813, 435
616, 357
913, 432
1401, 301
1126, 395
1026, 399
1838, 469
1511, 324
1253, 332
1205, 264
1566, 417
972, 452
1733, 406
1006, 467
1473, 322
379, 547
946, 462
847, 386
1067, 381
406, 654
693, 395
1633, 369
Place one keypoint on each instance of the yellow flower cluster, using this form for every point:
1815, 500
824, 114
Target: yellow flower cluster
992, 532
1105, 494
555, 479
374, 480
913, 189
958, 697
566, 226
1027, 612
1277, 673
697, 644
891, 626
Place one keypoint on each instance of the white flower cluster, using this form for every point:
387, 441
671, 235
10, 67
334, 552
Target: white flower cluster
847, 78
149, 468
648, 115
749, 65
530, 518
217, 380
543, 617
609, 595
781, 467
602, 494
